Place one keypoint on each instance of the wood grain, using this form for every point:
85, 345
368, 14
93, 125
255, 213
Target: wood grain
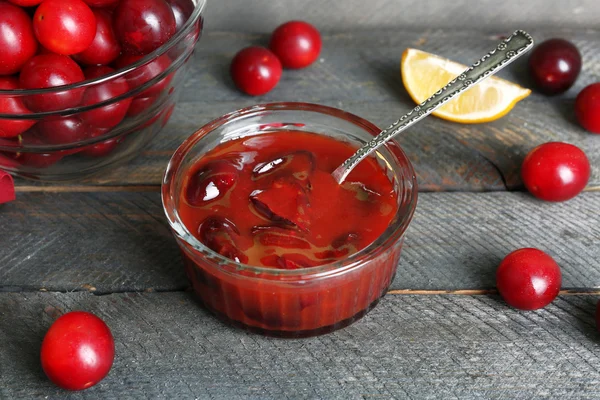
120, 241
408, 347
88, 241
265, 15
359, 72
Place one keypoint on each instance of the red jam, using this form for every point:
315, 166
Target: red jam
270, 200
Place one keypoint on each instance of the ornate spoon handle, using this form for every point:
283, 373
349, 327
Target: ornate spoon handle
506, 52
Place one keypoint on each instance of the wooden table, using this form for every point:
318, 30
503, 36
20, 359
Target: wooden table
442, 332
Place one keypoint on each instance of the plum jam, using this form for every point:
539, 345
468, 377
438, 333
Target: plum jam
270, 201
270, 242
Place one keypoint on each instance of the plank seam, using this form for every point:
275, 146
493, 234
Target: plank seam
418, 292
87, 188
156, 188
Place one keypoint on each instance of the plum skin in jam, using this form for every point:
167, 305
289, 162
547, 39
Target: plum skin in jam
270, 201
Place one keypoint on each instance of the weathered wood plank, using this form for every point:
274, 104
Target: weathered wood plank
265, 15
359, 72
108, 241
408, 347
120, 241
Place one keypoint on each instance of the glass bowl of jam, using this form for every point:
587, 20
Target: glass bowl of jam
270, 241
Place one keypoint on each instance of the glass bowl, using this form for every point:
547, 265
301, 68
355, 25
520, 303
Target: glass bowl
301, 302
101, 129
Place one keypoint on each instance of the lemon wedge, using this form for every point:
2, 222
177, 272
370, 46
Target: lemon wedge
424, 73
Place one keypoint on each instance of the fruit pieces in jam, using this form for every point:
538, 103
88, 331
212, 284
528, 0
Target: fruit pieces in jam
270, 200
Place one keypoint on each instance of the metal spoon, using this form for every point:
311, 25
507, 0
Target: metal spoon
506, 52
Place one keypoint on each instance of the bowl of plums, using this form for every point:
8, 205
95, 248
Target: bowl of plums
271, 242
85, 84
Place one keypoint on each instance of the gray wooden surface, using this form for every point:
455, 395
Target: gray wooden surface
265, 15
120, 241
409, 347
103, 245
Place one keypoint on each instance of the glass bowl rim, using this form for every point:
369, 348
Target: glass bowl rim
147, 58
392, 234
